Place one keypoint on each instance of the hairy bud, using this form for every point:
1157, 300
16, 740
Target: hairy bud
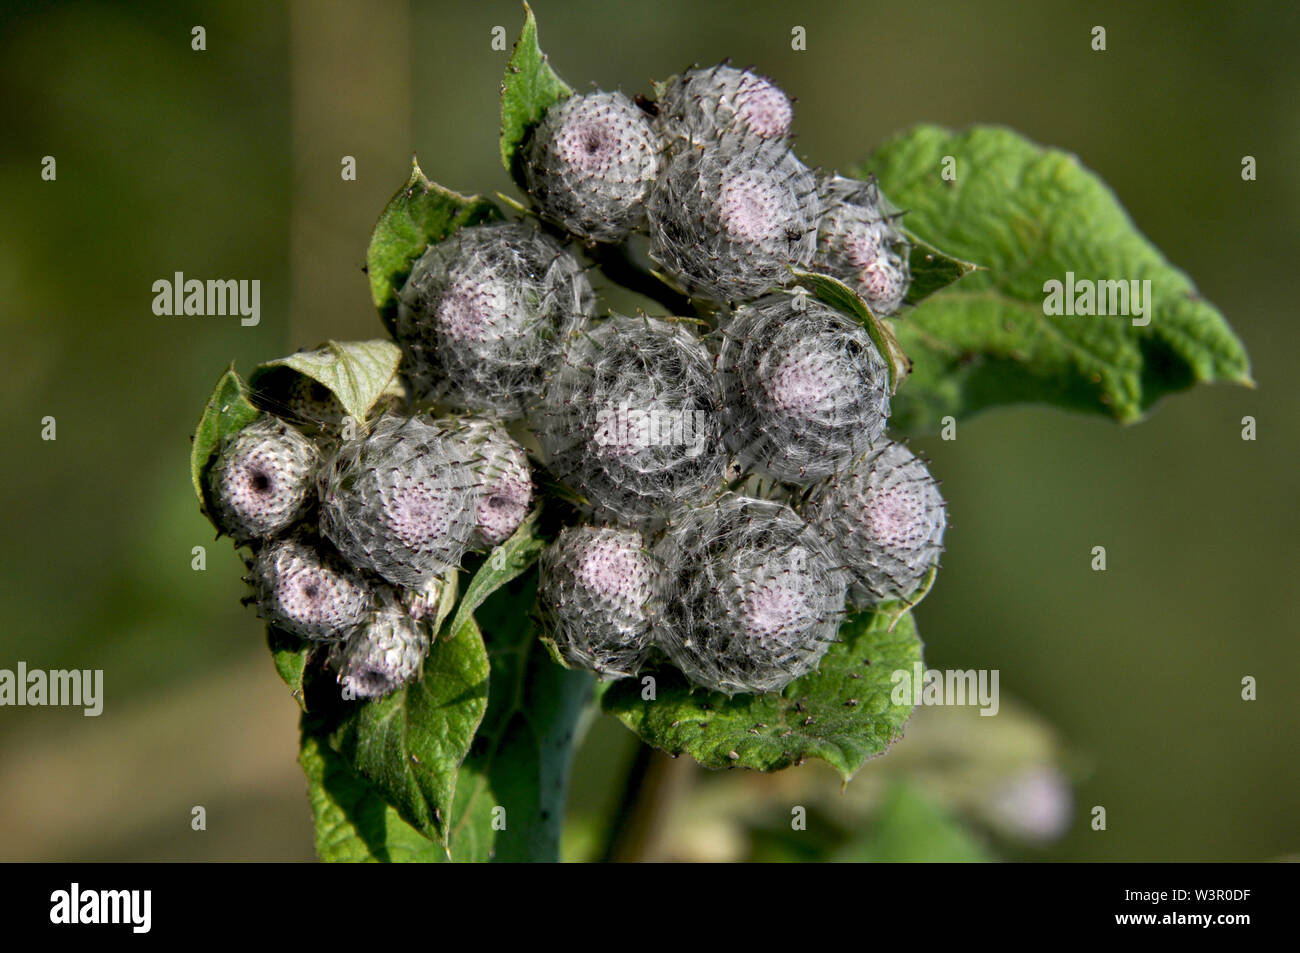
383, 654
597, 599
630, 419
483, 314
860, 241
702, 104
402, 500
753, 597
262, 480
803, 387
885, 518
505, 480
728, 219
305, 589
591, 162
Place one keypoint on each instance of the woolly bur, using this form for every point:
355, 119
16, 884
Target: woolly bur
597, 599
262, 480
382, 655
484, 312
401, 501
804, 388
886, 520
860, 242
728, 219
701, 104
591, 162
752, 596
307, 590
630, 420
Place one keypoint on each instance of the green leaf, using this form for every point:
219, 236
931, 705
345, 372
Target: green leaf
842, 298
353, 824
1030, 215
909, 827
228, 411
421, 214
932, 270
410, 744
356, 372
290, 655
529, 88
843, 713
518, 769
503, 564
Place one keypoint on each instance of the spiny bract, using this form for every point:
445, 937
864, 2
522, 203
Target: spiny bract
630, 419
597, 598
728, 219
591, 162
402, 500
885, 518
752, 598
485, 311
262, 480
803, 387
701, 104
307, 590
383, 654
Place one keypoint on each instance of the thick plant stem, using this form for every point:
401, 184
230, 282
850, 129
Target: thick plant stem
639, 830
618, 266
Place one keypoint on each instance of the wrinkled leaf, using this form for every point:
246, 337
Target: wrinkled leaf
421, 214
410, 744
1030, 215
356, 372
353, 824
228, 411
291, 656
932, 270
528, 89
504, 563
843, 713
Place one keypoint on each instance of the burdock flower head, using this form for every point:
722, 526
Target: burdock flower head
701, 104
804, 388
262, 480
598, 599
305, 589
752, 595
590, 165
886, 520
728, 219
402, 500
630, 419
484, 313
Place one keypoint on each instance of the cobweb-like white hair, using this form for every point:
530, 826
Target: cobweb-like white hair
804, 389
485, 312
630, 420
591, 163
753, 597
886, 520
598, 598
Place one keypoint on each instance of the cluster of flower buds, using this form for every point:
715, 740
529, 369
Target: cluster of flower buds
352, 539
732, 491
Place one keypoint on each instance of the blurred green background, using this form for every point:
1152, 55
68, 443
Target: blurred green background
225, 164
